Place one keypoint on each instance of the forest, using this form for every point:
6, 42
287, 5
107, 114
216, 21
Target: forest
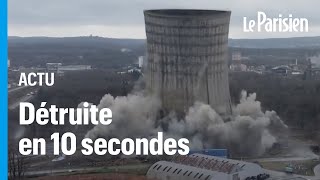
296, 101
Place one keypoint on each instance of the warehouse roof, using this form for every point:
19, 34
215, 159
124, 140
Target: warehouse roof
210, 163
199, 166
170, 170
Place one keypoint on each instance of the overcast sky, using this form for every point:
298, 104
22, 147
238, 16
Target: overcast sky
124, 18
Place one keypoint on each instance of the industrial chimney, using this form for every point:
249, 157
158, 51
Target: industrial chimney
187, 54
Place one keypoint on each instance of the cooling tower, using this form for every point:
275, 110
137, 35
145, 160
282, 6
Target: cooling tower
187, 54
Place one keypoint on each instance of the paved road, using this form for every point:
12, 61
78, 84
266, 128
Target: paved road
55, 171
281, 159
276, 175
16, 89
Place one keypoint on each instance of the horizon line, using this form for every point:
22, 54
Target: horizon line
11, 36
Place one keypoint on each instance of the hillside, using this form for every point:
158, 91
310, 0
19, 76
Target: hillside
108, 52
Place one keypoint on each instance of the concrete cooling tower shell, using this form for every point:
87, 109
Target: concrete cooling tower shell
187, 54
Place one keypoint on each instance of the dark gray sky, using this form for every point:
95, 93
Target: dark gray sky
124, 18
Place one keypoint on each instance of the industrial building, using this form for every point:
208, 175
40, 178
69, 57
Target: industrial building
236, 64
60, 69
53, 67
187, 53
140, 61
203, 167
74, 68
211, 152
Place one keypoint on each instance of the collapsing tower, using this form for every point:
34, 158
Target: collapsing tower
187, 57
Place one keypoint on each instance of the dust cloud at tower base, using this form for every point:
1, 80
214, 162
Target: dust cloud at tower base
187, 58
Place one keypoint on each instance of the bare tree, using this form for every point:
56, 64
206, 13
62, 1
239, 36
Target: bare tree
16, 164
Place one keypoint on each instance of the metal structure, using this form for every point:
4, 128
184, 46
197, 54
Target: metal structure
211, 152
187, 57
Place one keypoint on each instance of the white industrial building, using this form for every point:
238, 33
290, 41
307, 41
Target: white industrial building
74, 68
203, 167
53, 67
238, 67
59, 69
140, 63
236, 56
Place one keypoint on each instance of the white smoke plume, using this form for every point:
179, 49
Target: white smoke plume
249, 131
133, 116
